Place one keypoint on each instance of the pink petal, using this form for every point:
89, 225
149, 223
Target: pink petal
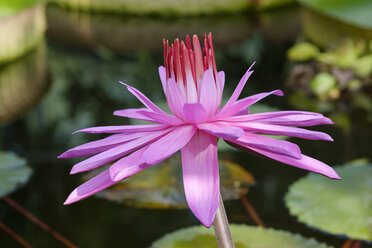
282, 147
176, 99
240, 87
201, 176
128, 166
123, 129
243, 104
222, 131
163, 78
208, 93
101, 145
140, 96
117, 152
298, 120
266, 115
161, 118
194, 113
283, 130
306, 163
134, 114
221, 83
94, 185
169, 144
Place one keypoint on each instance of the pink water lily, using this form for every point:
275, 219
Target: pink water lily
193, 88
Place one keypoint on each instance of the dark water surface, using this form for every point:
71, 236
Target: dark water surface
76, 86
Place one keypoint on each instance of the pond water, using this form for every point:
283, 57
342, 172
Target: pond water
71, 82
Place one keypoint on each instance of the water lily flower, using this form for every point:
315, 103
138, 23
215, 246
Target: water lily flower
193, 88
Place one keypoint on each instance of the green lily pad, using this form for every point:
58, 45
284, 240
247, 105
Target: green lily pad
302, 51
22, 26
9, 7
14, 172
324, 29
338, 207
161, 186
244, 237
22, 84
139, 32
356, 12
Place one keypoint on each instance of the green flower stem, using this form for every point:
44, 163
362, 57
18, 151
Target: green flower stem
221, 228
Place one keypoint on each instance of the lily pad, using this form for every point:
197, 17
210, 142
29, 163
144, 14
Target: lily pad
244, 237
356, 12
22, 26
338, 207
14, 172
22, 84
324, 29
139, 32
161, 186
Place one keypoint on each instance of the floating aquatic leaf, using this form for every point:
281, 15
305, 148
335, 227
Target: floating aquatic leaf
303, 51
323, 84
13, 172
20, 31
22, 84
356, 12
338, 207
244, 237
161, 186
327, 21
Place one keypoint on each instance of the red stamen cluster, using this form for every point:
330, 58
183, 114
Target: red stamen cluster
182, 62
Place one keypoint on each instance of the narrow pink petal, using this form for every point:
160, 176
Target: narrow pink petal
243, 104
94, 185
221, 83
306, 163
298, 120
282, 147
140, 96
117, 152
122, 129
191, 92
163, 78
194, 113
169, 144
283, 130
101, 145
165, 119
134, 114
176, 99
128, 166
208, 93
201, 176
222, 131
266, 115
240, 87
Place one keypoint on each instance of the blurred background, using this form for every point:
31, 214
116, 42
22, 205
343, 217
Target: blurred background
60, 63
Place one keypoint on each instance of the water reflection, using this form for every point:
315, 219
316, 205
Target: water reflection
22, 84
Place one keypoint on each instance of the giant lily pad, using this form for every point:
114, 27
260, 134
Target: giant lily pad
164, 7
22, 84
133, 32
244, 237
338, 207
13, 172
356, 12
326, 21
22, 25
161, 186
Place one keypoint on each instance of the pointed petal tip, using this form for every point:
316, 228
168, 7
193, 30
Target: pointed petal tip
75, 170
71, 198
279, 93
254, 62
